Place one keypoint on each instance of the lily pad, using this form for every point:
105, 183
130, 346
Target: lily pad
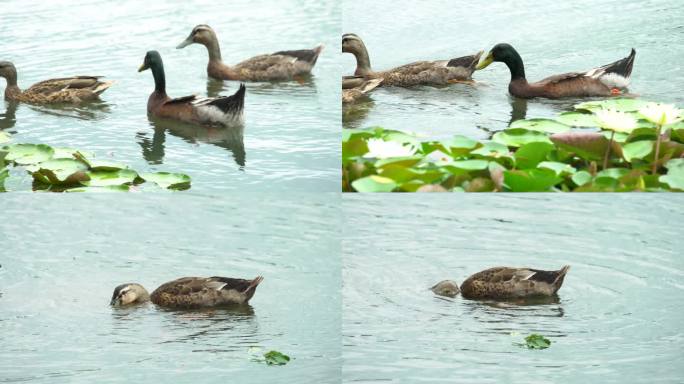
28, 153
621, 105
637, 150
403, 174
581, 178
540, 125
588, 145
531, 180
576, 119
4, 137
64, 153
535, 341
106, 189
276, 358
519, 136
560, 168
405, 161
60, 172
168, 180
110, 178
675, 174
531, 154
468, 165
492, 149
374, 183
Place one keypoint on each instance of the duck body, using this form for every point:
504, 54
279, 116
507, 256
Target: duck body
224, 111
501, 283
278, 66
353, 94
190, 292
608, 80
434, 73
71, 90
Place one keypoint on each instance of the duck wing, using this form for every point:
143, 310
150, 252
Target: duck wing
308, 55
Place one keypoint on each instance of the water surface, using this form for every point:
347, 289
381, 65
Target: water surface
291, 135
618, 316
552, 37
60, 266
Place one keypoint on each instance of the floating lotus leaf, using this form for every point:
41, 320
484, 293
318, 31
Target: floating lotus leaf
675, 174
535, 341
431, 188
402, 174
28, 153
642, 134
60, 172
64, 153
406, 161
576, 119
350, 134
678, 134
581, 178
519, 136
561, 169
168, 180
4, 137
622, 105
468, 165
531, 154
106, 189
402, 138
374, 183
276, 358
492, 149
531, 180
540, 125
637, 150
613, 173
353, 148
109, 178
588, 145
410, 186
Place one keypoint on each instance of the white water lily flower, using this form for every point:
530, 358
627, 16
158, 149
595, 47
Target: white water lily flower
662, 114
381, 149
615, 120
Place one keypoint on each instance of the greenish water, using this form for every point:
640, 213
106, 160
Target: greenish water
59, 267
552, 37
291, 134
619, 315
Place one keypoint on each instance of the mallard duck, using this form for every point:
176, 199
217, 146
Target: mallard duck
608, 80
440, 72
71, 90
502, 283
278, 66
351, 95
189, 292
224, 110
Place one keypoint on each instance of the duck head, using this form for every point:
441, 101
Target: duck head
8, 71
504, 53
201, 34
447, 288
129, 293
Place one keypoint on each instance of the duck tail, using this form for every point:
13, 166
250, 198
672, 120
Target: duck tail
102, 86
251, 289
622, 67
559, 279
370, 85
234, 103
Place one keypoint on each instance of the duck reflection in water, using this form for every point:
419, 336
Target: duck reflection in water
230, 139
9, 118
518, 109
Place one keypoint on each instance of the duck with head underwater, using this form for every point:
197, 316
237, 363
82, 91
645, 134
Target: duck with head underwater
608, 80
189, 292
504, 283
225, 111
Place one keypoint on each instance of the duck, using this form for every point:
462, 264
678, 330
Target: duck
608, 80
278, 66
189, 292
224, 111
71, 90
502, 283
351, 95
434, 73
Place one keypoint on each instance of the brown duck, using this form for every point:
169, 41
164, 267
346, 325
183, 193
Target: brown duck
225, 111
609, 80
502, 283
279, 66
189, 292
441, 72
353, 94
72, 90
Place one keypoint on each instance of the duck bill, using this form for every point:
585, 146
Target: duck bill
115, 302
185, 43
142, 68
485, 62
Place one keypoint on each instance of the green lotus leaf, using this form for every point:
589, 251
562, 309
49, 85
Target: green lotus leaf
406, 161
531, 154
588, 145
354, 148
4, 137
374, 183
467, 165
535, 341
60, 172
561, 169
540, 125
276, 358
28, 153
621, 104
4, 173
675, 174
492, 149
581, 178
637, 150
519, 136
105, 189
109, 178
530, 180
576, 119
402, 174
168, 180
613, 173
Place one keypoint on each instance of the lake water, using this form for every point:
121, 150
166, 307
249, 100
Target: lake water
552, 37
59, 268
291, 135
619, 316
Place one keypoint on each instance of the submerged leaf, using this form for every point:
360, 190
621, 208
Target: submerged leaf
168, 180
535, 341
276, 358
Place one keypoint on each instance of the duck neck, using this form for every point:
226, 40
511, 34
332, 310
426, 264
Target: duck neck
363, 65
214, 49
12, 89
159, 78
516, 66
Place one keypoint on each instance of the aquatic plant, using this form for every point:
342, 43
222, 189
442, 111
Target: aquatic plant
276, 358
71, 170
532, 155
535, 341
